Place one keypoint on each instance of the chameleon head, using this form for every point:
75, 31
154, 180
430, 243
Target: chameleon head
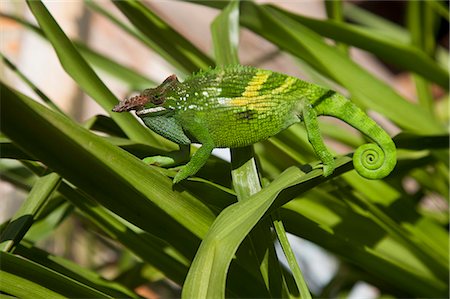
150, 101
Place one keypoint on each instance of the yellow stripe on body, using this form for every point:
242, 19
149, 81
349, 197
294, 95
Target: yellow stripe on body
286, 85
253, 99
252, 89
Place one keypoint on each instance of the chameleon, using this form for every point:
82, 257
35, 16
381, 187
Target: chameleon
236, 106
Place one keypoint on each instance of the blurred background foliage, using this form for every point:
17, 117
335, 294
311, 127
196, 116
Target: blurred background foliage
82, 216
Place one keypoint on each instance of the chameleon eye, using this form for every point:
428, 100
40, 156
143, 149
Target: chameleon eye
157, 100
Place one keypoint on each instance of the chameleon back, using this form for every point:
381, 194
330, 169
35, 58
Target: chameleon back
239, 105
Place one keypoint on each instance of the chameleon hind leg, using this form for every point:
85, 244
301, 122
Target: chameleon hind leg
315, 138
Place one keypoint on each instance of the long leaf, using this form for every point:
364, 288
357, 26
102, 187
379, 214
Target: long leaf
133, 78
27, 81
225, 34
165, 40
26, 215
290, 258
74, 271
20, 277
389, 28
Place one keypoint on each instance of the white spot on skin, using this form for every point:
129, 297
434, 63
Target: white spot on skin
223, 101
220, 76
213, 91
150, 110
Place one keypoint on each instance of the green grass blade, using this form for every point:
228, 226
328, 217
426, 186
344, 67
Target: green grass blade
134, 79
335, 13
376, 23
8, 150
290, 257
26, 215
123, 183
49, 219
390, 29
131, 31
81, 72
420, 23
440, 8
244, 172
20, 277
74, 271
164, 39
21, 287
17, 175
225, 34
27, 81
259, 242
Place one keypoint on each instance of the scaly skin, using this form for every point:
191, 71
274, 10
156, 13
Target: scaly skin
237, 106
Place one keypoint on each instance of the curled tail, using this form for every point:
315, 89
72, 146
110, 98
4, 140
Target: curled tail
372, 160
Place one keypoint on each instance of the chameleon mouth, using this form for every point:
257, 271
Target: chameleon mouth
153, 110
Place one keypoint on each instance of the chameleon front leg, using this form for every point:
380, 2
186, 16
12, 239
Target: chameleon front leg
197, 161
315, 138
201, 134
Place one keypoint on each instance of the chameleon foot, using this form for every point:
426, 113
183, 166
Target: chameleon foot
162, 161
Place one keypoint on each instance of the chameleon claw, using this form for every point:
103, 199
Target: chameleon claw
327, 168
161, 161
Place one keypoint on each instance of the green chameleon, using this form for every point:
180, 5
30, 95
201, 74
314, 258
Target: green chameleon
237, 106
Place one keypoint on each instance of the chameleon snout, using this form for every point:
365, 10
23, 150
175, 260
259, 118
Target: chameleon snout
132, 103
